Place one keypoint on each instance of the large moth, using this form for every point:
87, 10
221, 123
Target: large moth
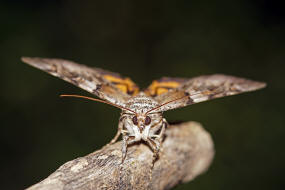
142, 111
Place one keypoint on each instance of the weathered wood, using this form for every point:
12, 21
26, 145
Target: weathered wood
187, 152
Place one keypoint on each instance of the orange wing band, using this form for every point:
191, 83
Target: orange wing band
157, 88
125, 85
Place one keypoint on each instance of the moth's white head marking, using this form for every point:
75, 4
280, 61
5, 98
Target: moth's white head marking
140, 124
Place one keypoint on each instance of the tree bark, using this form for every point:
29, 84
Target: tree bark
187, 152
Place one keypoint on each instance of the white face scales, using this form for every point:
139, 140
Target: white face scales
141, 122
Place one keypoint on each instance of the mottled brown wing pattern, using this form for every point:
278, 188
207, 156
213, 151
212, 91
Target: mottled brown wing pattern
106, 85
205, 88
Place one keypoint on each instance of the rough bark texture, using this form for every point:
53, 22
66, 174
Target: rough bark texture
187, 152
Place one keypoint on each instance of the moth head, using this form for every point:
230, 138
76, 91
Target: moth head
141, 120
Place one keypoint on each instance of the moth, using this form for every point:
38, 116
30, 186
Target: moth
141, 118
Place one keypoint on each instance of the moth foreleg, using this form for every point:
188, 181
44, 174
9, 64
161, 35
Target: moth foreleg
162, 131
127, 140
155, 146
124, 153
156, 143
120, 128
124, 147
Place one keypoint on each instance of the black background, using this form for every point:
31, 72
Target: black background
144, 40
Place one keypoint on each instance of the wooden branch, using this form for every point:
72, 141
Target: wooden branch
187, 152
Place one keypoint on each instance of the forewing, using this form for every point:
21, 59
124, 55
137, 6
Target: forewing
205, 88
106, 85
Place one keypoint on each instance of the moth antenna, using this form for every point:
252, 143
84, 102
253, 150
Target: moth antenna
203, 92
166, 103
95, 99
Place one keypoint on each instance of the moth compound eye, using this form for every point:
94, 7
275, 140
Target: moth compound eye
147, 120
135, 120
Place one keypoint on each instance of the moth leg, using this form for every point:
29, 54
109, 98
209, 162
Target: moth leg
154, 145
117, 135
120, 128
158, 140
162, 127
127, 140
124, 154
162, 131
155, 142
124, 148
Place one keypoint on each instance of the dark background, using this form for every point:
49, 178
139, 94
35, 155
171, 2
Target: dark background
144, 40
